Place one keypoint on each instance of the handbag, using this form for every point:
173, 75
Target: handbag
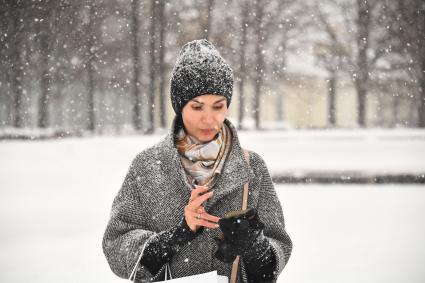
209, 277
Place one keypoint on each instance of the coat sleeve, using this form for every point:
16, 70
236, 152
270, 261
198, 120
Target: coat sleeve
271, 214
124, 237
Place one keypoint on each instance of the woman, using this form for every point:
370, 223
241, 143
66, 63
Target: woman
176, 193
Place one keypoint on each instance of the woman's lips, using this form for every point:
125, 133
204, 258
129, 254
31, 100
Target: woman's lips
208, 131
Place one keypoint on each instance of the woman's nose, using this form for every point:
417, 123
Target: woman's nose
208, 119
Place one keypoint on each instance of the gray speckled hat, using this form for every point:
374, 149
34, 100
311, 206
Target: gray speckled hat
199, 70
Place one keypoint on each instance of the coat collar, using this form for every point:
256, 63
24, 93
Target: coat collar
235, 173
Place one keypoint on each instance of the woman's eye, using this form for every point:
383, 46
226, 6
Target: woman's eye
199, 108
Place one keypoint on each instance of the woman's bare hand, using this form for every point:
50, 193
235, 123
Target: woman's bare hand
194, 212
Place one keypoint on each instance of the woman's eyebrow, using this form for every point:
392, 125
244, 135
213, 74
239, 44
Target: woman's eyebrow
197, 101
214, 102
220, 100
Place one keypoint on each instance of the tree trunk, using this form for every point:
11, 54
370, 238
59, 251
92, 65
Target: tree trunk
6, 100
421, 55
331, 99
46, 78
207, 26
361, 81
242, 69
45, 82
90, 70
421, 109
259, 66
152, 65
57, 97
411, 29
361, 101
161, 65
16, 66
282, 76
137, 69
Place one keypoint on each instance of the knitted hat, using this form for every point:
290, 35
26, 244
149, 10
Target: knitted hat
199, 70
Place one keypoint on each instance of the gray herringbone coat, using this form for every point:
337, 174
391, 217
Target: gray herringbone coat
152, 199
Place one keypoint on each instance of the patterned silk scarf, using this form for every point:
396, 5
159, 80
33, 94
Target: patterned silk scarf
203, 161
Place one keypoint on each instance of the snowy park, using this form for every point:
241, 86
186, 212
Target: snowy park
331, 94
56, 196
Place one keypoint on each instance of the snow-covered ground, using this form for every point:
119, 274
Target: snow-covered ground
55, 198
369, 151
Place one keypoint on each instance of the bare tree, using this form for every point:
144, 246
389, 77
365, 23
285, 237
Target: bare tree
74, 63
91, 49
59, 63
47, 12
361, 77
207, 19
161, 63
5, 93
242, 58
364, 42
288, 28
14, 12
259, 64
409, 28
330, 56
137, 68
274, 22
152, 66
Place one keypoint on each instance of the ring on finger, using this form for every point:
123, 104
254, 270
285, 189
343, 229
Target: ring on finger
198, 216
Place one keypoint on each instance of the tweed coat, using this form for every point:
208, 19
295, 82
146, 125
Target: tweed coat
152, 199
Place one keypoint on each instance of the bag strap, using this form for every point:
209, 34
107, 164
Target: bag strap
168, 272
133, 273
245, 186
235, 265
132, 277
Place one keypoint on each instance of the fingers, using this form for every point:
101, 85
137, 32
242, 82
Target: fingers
198, 201
201, 213
206, 216
201, 222
201, 218
209, 217
198, 191
200, 209
195, 213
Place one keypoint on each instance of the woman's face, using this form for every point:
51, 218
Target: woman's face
204, 115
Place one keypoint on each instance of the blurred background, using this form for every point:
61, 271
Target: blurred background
330, 93
105, 65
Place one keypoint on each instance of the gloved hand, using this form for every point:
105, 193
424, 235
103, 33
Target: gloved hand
239, 231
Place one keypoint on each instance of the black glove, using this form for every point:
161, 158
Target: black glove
162, 248
239, 231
